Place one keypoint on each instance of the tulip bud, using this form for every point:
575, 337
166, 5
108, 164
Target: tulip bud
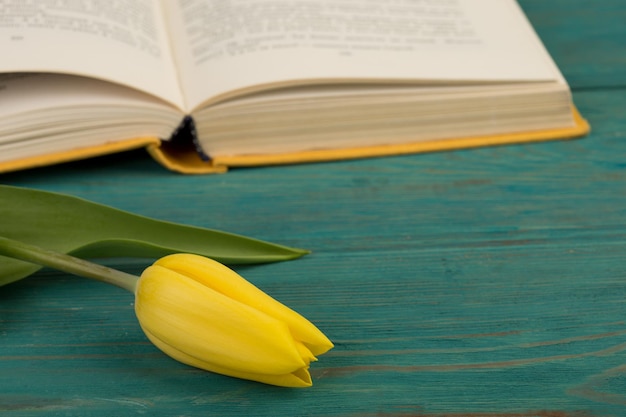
204, 314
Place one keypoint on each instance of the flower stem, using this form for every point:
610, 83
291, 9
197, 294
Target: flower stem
66, 263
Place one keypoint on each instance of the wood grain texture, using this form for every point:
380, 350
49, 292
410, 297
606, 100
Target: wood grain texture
586, 41
480, 283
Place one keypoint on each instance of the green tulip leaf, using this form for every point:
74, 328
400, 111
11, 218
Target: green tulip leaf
86, 229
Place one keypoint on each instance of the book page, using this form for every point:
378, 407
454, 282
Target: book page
44, 113
225, 45
123, 41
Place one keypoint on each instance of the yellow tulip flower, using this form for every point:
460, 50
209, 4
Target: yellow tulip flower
204, 314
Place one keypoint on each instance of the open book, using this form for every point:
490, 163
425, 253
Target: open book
251, 82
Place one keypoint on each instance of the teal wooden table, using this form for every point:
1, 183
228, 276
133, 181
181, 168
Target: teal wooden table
480, 283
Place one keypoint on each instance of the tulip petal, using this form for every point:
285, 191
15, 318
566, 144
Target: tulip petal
299, 378
208, 325
305, 353
227, 282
